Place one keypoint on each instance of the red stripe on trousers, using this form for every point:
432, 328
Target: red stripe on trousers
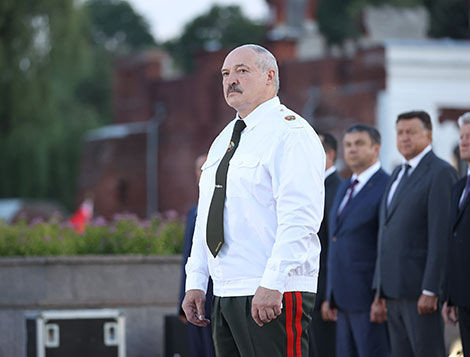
298, 325
289, 329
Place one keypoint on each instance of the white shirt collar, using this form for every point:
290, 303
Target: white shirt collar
367, 174
417, 159
330, 171
259, 112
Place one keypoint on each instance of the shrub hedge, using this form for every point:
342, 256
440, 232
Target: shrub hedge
124, 234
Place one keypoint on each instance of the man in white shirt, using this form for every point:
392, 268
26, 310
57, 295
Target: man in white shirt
412, 242
260, 207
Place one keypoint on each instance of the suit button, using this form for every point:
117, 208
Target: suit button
333, 239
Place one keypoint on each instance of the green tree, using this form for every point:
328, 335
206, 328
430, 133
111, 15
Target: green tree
449, 18
340, 20
114, 29
221, 27
117, 27
43, 56
55, 82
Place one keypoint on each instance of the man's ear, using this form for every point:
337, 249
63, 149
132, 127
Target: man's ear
271, 74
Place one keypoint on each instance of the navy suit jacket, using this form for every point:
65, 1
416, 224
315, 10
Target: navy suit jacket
332, 183
187, 245
353, 245
458, 262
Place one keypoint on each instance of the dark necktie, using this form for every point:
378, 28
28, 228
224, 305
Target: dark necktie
350, 196
466, 192
402, 182
215, 219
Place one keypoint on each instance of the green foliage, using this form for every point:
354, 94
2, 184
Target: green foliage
43, 57
221, 27
125, 235
55, 84
449, 18
339, 20
117, 27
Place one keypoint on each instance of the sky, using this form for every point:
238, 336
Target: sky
168, 17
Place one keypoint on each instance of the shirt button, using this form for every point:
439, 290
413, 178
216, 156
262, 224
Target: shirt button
334, 239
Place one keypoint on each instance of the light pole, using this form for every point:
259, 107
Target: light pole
152, 158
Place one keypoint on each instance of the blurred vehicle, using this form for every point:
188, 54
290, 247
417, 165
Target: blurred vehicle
13, 209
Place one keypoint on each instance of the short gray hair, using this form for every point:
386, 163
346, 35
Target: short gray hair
464, 119
266, 62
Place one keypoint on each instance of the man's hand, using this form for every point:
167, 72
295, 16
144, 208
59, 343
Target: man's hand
427, 304
193, 307
378, 311
449, 314
266, 305
328, 314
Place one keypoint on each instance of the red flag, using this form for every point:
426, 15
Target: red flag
82, 216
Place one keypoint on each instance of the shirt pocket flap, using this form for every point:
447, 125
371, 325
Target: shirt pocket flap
211, 161
248, 161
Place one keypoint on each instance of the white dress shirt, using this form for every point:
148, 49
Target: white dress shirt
330, 171
273, 207
463, 191
362, 179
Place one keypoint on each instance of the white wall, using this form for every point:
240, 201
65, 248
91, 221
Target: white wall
423, 75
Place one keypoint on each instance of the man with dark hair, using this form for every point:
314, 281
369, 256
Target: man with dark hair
456, 308
322, 331
353, 230
412, 242
261, 197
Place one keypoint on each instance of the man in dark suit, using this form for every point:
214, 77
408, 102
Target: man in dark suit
457, 296
199, 338
412, 242
322, 333
353, 229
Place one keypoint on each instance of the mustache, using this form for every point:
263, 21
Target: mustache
233, 88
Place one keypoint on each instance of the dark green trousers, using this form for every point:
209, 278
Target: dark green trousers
235, 333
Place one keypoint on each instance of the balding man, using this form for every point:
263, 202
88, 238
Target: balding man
260, 207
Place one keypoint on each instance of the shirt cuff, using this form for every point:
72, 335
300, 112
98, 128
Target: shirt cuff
196, 281
270, 280
428, 293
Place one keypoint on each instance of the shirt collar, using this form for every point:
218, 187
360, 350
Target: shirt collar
259, 112
367, 174
417, 159
330, 171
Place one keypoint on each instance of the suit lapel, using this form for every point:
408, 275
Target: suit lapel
339, 197
393, 178
459, 212
414, 178
357, 198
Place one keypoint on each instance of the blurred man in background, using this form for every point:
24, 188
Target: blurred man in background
199, 338
322, 332
456, 308
353, 229
412, 242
